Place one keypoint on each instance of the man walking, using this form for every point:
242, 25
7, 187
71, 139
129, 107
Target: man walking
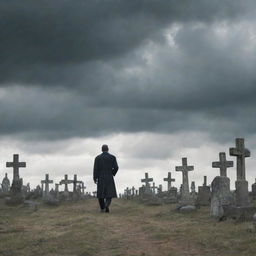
105, 168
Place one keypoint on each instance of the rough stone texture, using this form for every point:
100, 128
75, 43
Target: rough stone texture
5, 184
242, 194
223, 164
185, 198
221, 195
238, 213
169, 181
204, 195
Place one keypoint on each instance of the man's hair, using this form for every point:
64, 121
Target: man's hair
104, 148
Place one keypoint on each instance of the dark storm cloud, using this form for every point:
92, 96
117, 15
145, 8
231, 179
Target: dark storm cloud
42, 40
89, 68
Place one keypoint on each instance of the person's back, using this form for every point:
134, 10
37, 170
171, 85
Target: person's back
105, 167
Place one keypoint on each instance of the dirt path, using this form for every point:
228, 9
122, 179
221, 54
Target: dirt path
137, 233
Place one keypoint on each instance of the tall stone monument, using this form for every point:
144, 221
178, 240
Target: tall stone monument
240, 152
147, 181
65, 182
16, 195
169, 180
185, 195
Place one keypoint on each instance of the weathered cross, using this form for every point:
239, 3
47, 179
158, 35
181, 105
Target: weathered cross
66, 181
46, 182
184, 169
169, 180
223, 164
241, 153
154, 187
147, 180
81, 183
160, 188
16, 165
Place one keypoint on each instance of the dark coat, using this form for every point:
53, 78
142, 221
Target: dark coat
105, 168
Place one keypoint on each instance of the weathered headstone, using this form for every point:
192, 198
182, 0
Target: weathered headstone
204, 194
193, 192
5, 184
127, 192
46, 189
169, 181
242, 194
133, 191
185, 195
16, 195
221, 195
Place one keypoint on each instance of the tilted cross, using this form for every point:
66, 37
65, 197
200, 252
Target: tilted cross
169, 180
241, 153
223, 164
16, 165
184, 169
147, 180
154, 187
66, 181
46, 182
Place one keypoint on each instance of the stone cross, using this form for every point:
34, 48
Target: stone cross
46, 182
154, 187
16, 165
147, 180
66, 181
184, 169
160, 188
241, 153
127, 192
83, 187
169, 180
223, 164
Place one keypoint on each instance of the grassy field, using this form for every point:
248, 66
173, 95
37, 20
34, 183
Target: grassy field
133, 229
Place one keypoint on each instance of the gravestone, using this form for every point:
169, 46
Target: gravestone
169, 181
204, 194
127, 192
240, 152
221, 195
185, 195
46, 187
193, 192
65, 182
154, 187
147, 181
16, 196
5, 184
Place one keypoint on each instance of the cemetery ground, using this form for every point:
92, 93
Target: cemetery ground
79, 229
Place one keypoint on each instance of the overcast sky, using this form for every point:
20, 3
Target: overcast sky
155, 80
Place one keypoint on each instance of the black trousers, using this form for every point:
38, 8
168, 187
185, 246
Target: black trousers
104, 202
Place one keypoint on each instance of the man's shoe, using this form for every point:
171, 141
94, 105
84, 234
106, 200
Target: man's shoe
107, 209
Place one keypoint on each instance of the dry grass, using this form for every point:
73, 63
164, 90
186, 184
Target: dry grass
130, 229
